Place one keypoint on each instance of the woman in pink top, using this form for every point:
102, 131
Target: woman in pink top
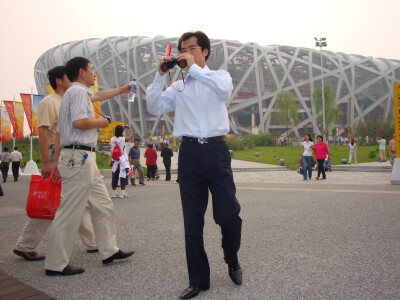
321, 150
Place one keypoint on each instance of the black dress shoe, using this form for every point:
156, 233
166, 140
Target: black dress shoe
142, 183
92, 250
29, 255
119, 255
236, 275
191, 292
68, 270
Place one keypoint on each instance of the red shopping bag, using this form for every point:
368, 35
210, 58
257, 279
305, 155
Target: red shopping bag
43, 198
131, 172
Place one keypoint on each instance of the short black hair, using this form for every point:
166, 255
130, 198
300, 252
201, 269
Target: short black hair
136, 140
5, 149
320, 137
15, 148
119, 130
73, 66
150, 146
55, 73
202, 40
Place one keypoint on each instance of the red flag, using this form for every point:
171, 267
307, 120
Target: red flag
27, 101
10, 109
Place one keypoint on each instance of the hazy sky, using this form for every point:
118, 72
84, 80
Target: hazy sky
30, 27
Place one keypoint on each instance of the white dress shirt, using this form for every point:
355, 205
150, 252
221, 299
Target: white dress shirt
76, 105
200, 109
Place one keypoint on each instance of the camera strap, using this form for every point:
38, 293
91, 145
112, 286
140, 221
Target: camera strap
183, 79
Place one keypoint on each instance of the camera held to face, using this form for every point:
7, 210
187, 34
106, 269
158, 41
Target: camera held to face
171, 63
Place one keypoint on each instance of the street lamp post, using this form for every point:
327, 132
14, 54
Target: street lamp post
322, 43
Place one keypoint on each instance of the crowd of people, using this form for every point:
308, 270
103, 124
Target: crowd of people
67, 142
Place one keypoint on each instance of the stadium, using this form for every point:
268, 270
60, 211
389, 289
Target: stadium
363, 86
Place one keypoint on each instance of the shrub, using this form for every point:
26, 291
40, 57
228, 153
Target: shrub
372, 154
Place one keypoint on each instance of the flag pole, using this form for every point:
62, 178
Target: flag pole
31, 115
1, 131
31, 166
14, 133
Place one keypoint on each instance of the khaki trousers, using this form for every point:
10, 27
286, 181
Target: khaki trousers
137, 167
35, 229
82, 184
382, 155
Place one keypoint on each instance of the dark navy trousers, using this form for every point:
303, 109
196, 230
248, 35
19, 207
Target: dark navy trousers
203, 168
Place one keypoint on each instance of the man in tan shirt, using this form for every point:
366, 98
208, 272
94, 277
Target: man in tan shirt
48, 112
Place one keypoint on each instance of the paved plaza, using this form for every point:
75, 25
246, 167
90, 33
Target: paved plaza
333, 239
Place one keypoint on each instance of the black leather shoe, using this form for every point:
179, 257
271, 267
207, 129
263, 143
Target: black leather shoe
236, 275
29, 255
142, 183
119, 255
191, 292
92, 250
68, 270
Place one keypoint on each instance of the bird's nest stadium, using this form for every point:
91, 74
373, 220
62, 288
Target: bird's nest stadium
363, 86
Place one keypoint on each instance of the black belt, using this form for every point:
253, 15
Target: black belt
204, 140
81, 147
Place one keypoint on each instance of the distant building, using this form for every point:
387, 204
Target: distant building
362, 85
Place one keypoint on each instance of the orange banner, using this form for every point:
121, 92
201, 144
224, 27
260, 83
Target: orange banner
5, 125
27, 103
96, 105
36, 101
49, 89
10, 109
19, 118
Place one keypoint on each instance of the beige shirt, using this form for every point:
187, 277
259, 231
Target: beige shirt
15, 156
48, 114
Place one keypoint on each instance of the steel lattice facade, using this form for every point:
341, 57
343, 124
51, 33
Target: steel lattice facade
362, 85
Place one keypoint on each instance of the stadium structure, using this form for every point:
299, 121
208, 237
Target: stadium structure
363, 86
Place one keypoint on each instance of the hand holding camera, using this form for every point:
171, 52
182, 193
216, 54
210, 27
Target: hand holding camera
171, 63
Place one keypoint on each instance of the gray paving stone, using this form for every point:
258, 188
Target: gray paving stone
333, 239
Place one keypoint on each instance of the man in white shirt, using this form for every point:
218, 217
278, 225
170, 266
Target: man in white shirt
201, 121
382, 148
16, 162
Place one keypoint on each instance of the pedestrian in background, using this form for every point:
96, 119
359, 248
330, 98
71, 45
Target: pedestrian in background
166, 154
151, 162
352, 151
16, 162
321, 151
306, 156
134, 158
392, 149
382, 148
5, 163
120, 167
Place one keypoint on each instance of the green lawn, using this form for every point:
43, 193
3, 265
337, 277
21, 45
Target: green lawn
292, 154
268, 155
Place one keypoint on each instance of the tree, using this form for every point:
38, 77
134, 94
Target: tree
332, 111
374, 127
288, 110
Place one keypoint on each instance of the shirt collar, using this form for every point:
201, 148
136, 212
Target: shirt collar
206, 68
89, 91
